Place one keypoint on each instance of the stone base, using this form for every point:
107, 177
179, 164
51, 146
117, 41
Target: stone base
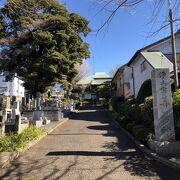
37, 114
38, 123
46, 121
53, 115
24, 125
165, 148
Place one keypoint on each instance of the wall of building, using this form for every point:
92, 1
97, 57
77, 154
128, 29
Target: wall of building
139, 76
127, 75
165, 47
119, 85
14, 88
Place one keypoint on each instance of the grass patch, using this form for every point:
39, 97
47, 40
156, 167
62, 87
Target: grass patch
14, 142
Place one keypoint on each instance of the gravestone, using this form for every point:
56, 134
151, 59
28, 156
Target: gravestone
15, 110
24, 101
17, 124
34, 105
164, 142
38, 118
2, 125
38, 100
8, 103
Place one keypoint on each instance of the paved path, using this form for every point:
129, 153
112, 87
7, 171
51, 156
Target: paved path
89, 146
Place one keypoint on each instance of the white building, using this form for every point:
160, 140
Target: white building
156, 55
142, 64
11, 88
164, 46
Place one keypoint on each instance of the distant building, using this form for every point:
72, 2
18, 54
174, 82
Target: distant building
100, 78
11, 88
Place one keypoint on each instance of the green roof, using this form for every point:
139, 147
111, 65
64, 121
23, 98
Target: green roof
157, 60
98, 79
101, 75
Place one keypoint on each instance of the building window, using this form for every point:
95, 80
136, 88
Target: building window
143, 66
120, 83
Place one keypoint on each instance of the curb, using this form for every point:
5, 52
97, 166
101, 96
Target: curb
10, 156
145, 150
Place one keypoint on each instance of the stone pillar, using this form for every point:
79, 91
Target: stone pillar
2, 125
18, 124
34, 104
162, 105
8, 103
164, 142
38, 100
15, 110
24, 101
16, 105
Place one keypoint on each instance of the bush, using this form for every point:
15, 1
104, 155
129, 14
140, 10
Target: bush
176, 105
142, 134
130, 126
14, 142
114, 102
78, 104
177, 132
123, 121
115, 115
145, 91
135, 128
147, 113
133, 112
120, 108
130, 114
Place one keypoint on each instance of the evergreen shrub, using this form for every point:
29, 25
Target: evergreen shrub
114, 102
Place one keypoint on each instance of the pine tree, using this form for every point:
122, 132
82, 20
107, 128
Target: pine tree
41, 42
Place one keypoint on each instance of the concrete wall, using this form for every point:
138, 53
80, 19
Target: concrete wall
140, 77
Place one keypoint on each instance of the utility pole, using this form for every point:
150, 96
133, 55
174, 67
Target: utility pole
176, 82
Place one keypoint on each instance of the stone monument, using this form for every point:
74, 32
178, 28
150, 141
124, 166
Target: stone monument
38, 100
15, 110
2, 125
34, 104
164, 142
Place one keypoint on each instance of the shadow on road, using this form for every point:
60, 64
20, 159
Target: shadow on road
124, 149
123, 152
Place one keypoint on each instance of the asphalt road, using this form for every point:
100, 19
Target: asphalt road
88, 146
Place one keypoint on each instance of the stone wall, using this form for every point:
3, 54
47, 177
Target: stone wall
53, 115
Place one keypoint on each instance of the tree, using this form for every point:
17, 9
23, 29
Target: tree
41, 43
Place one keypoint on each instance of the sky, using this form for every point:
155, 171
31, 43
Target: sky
129, 30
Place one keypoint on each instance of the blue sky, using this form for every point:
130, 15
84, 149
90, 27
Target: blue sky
126, 33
